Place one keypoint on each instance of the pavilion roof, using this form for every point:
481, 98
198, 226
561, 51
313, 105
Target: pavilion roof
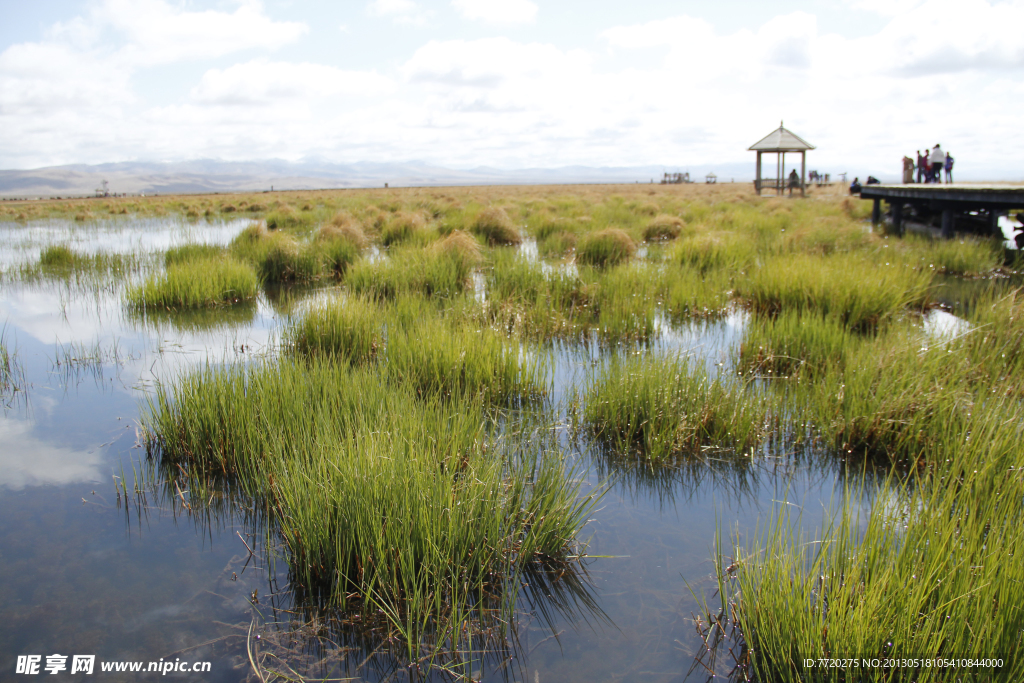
781, 140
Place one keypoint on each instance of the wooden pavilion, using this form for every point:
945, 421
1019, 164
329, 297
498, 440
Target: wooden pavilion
778, 142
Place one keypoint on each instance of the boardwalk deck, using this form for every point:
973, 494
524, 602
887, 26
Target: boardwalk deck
969, 208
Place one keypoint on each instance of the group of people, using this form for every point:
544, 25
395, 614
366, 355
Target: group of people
929, 166
855, 186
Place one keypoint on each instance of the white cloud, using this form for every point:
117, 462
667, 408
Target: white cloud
497, 11
675, 90
264, 82
889, 8
159, 33
62, 98
490, 62
400, 11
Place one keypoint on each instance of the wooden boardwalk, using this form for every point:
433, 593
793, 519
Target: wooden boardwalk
964, 207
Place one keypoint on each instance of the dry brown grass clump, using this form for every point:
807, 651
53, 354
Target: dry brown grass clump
375, 217
346, 231
462, 244
496, 227
663, 228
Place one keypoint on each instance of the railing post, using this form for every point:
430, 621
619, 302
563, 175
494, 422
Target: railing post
947, 224
897, 218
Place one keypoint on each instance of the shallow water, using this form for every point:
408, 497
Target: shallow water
81, 574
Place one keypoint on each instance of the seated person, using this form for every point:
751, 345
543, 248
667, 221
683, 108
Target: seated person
855, 186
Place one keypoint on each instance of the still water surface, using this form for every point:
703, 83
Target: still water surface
81, 574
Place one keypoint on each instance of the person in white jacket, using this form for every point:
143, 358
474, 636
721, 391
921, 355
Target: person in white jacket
938, 158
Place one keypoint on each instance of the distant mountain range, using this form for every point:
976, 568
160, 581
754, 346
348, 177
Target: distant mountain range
207, 175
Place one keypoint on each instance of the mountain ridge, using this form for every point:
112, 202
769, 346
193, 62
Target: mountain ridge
215, 175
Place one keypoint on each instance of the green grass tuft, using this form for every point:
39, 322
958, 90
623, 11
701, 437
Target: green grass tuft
663, 228
668, 406
494, 225
196, 283
859, 293
605, 248
192, 252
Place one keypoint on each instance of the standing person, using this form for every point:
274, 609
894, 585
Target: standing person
794, 181
949, 168
922, 163
908, 170
938, 159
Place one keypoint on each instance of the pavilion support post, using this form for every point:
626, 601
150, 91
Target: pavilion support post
782, 176
994, 215
876, 212
757, 178
803, 173
897, 218
947, 224
778, 167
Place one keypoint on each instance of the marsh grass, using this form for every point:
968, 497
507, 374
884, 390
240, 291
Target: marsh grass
860, 294
12, 372
394, 502
495, 226
666, 406
663, 228
59, 261
557, 244
607, 247
190, 252
284, 259
964, 256
525, 299
281, 256
59, 256
288, 217
343, 226
617, 303
436, 357
893, 398
689, 294
336, 252
460, 246
196, 283
995, 346
793, 342
402, 227
710, 251
421, 349
441, 272
929, 572
349, 329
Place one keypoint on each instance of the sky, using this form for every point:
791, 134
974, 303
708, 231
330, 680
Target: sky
512, 84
